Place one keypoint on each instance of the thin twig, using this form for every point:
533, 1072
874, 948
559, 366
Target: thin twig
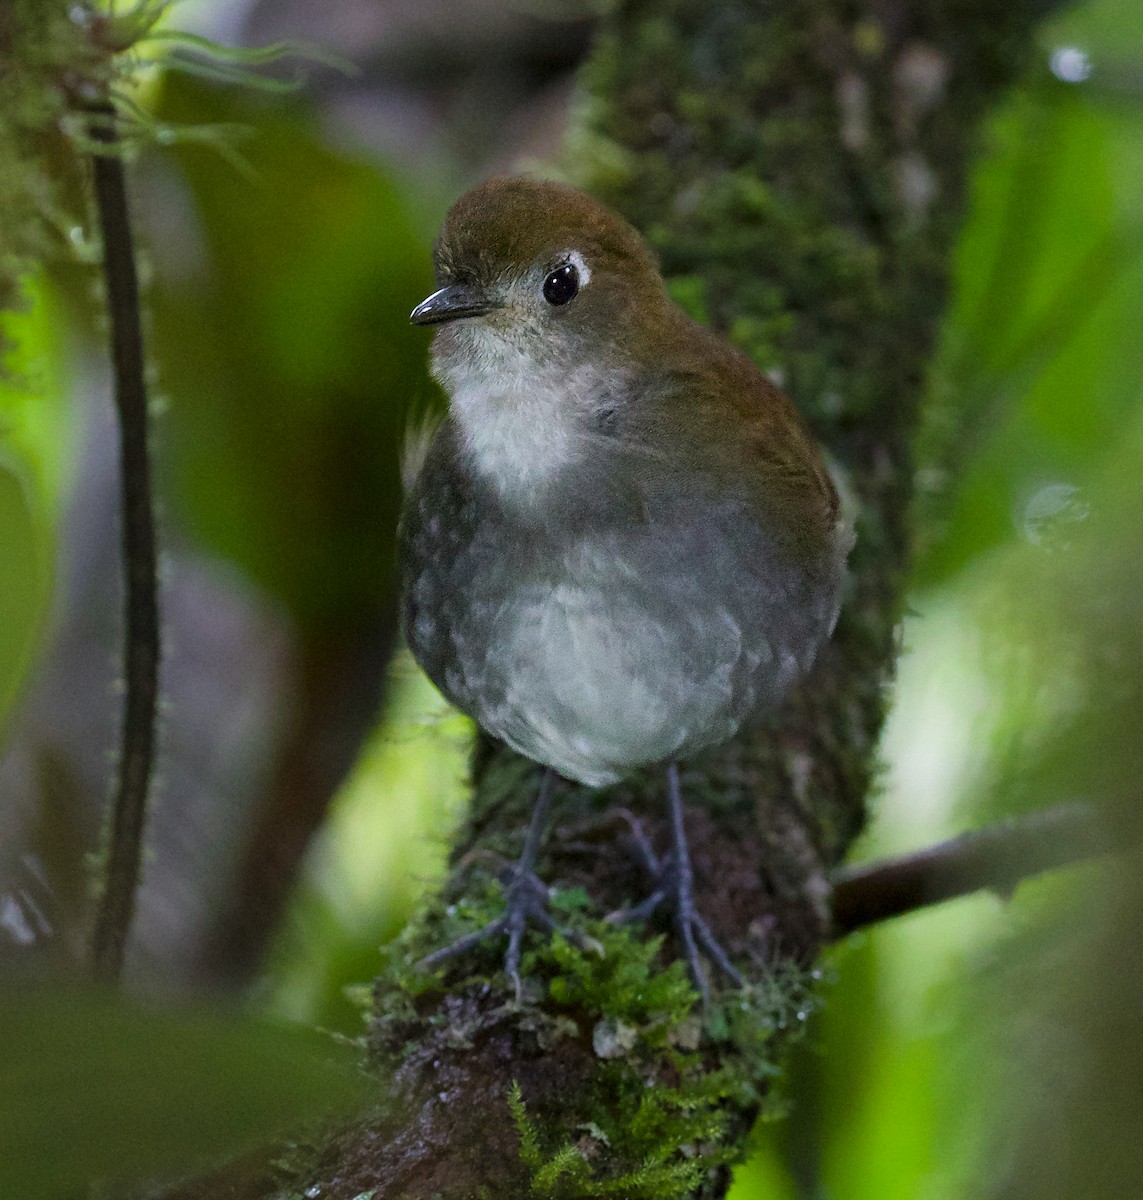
996, 858
141, 650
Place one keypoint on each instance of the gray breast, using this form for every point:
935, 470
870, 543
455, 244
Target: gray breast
598, 643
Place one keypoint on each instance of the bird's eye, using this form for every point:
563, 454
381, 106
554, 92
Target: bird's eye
562, 284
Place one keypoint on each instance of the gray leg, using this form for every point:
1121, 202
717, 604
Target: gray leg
685, 910
527, 896
526, 899
675, 887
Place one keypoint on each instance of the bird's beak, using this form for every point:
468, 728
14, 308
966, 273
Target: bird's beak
451, 303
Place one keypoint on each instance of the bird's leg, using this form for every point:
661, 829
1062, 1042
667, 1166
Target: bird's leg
526, 898
692, 927
526, 895
674, 886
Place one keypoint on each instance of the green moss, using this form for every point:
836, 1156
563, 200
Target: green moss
57, 57
37, 44
565, 1172
403, 979
654, 1120
669, 1076
61, 63
626, 982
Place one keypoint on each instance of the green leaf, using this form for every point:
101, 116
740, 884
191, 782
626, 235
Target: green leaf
21, 572
34, 441
95, 1087
1041, 355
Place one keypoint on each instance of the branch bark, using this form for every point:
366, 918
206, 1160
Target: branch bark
141, 646
996, 858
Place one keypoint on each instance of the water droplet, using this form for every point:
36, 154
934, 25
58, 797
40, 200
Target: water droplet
1070, 63
1050, 512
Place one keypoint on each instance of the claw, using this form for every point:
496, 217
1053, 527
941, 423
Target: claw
526, 900
675, 889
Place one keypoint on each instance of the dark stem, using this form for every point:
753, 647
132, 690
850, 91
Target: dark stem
997, 858
121, 867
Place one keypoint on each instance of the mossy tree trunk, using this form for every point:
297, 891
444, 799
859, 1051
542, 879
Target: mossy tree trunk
800, 168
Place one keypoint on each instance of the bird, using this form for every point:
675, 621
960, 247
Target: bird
622, 542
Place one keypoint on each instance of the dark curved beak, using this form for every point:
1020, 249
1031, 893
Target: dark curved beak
452, 303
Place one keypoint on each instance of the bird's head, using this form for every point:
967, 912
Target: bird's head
534, 272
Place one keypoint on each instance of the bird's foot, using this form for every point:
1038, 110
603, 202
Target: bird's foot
673, 889
525, 900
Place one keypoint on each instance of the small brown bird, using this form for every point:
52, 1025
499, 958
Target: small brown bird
622, 543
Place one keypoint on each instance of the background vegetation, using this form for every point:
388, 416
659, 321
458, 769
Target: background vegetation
990, 1048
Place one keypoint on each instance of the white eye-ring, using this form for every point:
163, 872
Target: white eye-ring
584, 271
562, 285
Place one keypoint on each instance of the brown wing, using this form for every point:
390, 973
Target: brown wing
729, 425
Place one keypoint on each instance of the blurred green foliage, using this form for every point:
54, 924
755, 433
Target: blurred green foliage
280, 325
35, 443
92, 1086
1041, 354
383, 843
282, 329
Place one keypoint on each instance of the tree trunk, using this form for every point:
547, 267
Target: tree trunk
800, 169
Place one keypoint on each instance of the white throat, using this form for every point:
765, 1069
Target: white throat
523, 422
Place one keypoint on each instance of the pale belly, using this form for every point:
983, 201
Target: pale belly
635, 644
629, 662
597, 685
